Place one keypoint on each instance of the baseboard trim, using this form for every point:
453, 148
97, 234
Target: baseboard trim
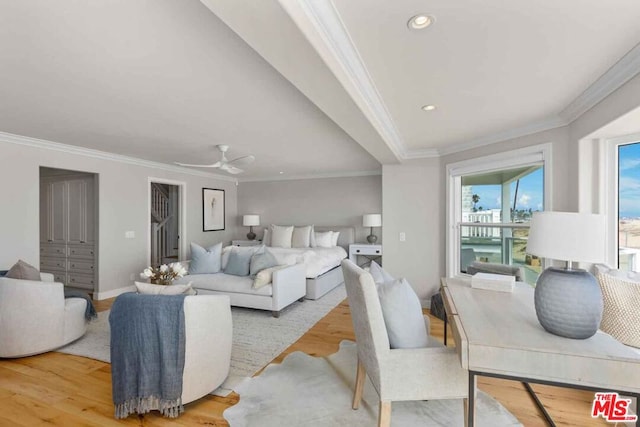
113, 293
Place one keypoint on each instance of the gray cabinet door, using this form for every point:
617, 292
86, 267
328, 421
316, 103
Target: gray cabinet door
77, 218
58, 212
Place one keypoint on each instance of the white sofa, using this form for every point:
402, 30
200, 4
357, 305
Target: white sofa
35, 317
287, 286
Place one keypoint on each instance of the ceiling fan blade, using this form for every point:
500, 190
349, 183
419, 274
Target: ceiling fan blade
231, 169
241, 161
212, 165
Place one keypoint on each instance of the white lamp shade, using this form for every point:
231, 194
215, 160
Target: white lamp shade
372, 220
248, 220
567, 236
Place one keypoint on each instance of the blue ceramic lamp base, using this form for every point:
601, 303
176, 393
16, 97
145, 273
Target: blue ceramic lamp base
568, 302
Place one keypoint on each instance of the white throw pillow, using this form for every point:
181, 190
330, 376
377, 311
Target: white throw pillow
379, 274
301, 237
281, 236
402, 314
324, 239
265, 276
266, 237
334, 238
151, 289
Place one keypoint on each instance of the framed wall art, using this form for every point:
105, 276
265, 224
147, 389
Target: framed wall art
212, 209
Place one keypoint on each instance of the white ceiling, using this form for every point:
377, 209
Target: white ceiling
309, 87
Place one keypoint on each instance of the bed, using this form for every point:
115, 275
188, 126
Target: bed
322, 265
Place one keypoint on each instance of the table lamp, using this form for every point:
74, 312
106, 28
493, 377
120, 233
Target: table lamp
568, 301
372, 220
250, 221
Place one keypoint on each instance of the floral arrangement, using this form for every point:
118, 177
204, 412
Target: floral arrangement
164, 274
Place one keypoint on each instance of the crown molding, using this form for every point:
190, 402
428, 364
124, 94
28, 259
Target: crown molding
343, 56
620, 73
97, 154
421, 153
313, 176
540, 126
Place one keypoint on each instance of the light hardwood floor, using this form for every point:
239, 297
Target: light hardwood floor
63, 390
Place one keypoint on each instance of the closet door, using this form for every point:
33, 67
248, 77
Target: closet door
57, 212
77, 211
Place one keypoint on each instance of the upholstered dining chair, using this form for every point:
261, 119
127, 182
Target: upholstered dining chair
429, 373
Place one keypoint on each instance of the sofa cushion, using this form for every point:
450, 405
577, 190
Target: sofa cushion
24, 271
264, 277
227, 283
239, 262
205, 260
260, 260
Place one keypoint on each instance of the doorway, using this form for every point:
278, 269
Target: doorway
166, 221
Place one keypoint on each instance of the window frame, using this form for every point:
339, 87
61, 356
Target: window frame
540, 154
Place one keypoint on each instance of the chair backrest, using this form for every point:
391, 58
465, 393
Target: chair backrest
366, 314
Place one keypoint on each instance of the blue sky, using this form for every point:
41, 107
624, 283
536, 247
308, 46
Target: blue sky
530, 193
629, 180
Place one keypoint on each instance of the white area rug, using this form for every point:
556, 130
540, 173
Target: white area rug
317, 391
258, 337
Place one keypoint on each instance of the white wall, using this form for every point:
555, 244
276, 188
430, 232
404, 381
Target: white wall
412, 201
321, 201
123, 195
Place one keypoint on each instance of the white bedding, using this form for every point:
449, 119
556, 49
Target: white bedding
316, 260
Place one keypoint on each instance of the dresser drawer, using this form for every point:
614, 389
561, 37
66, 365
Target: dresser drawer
59, 277
81, 251
80, 266
367, 250
53, 250
53, 264
80, 281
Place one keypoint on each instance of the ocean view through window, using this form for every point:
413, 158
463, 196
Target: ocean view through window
629, 206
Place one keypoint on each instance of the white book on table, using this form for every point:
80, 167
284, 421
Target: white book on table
493, 282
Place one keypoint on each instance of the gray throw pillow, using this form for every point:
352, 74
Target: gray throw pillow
239, 262
402, 314
205, 261
261, 260
24, 271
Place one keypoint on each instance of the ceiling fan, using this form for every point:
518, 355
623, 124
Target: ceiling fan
230, 166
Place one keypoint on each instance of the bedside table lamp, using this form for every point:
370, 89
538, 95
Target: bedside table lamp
250, 221
568, 301
372, 220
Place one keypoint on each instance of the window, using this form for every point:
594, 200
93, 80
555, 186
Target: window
491, 200
628, 217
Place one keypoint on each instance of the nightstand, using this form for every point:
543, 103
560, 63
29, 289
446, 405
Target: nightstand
246, 242
365, 249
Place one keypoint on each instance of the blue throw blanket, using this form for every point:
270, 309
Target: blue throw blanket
90, 312
147, 354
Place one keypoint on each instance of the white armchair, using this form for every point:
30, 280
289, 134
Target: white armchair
207, 352
397, 374
36, 318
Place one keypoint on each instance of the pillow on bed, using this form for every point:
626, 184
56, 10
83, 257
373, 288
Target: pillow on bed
266, 237
281, 236
301, 237
334, 238
324, 239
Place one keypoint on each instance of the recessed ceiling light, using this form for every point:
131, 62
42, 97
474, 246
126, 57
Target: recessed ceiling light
428, 107
281, 173
420, 22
